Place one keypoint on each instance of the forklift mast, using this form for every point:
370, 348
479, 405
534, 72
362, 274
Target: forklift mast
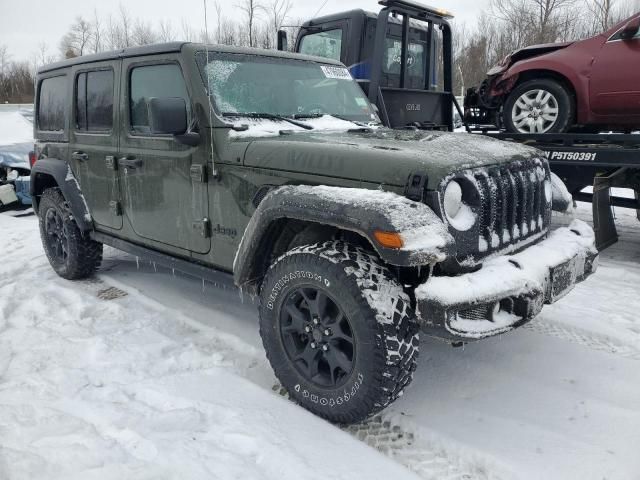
396, 56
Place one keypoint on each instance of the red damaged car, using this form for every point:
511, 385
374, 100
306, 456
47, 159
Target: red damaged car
593, 84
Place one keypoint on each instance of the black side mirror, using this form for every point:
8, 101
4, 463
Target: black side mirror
167, 116
630, 29
283, 42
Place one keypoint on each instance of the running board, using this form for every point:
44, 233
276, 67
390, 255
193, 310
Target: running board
220, 278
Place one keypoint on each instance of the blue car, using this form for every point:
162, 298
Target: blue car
16, 145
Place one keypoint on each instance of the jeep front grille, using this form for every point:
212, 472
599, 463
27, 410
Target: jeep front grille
513, 205
513, 208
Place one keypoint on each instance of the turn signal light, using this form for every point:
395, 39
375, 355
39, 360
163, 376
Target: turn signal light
388, 239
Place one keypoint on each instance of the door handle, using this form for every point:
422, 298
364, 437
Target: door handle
80, 156
130, 162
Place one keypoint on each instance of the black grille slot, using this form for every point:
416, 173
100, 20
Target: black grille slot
512, 203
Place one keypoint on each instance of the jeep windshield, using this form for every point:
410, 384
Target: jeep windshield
272, 87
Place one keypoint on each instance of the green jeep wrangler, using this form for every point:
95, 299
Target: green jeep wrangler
271, 171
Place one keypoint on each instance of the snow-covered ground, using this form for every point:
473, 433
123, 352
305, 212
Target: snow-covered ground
138, 373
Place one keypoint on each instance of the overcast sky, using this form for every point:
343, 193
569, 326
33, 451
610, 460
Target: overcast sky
24, 24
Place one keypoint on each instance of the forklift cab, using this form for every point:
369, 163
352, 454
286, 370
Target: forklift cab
401, 57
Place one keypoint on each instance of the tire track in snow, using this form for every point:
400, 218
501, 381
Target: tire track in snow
380, 432
405, 447
593, 341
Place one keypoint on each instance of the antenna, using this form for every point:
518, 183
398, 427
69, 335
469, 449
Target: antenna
321, 7
214, 172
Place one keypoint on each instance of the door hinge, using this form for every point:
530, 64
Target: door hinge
198, 173
110, 160
203, 227
115, 208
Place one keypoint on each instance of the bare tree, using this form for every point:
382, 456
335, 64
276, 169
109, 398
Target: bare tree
142, 33
533, 21
219, 21
252, 10
165, 31
4, 58
125, 27
76, 40
278, 12
96, 33
188, 33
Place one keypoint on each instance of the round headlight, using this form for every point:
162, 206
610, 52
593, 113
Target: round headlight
459, 215
452, 199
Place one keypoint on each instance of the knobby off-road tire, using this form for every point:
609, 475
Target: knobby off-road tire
554, 96
71, 254
360, 353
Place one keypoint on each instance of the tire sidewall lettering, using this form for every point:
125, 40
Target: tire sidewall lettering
283, 281
328, 400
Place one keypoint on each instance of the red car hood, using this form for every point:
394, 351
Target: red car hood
526, 52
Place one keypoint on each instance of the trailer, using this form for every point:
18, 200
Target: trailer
603, 161
402, 57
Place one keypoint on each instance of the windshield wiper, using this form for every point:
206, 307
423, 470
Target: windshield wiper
269, 116
363, 127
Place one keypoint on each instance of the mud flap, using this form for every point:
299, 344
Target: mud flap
638, 202
604, 225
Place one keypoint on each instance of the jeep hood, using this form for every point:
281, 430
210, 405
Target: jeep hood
526, 52
381, 156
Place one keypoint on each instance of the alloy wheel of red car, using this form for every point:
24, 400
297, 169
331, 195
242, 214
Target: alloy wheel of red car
535, 111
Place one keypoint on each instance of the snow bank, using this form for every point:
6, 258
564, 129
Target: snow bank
131, 388
14, 128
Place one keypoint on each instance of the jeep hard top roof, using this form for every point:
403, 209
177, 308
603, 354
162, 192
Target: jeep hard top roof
173, 47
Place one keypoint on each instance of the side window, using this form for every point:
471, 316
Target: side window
150, 81
415, 61
324, 44
94, 101
52, 103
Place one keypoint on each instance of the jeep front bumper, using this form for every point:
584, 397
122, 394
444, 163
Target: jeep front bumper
508, 290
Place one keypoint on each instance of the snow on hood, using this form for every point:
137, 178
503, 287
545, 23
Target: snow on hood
262, 127
16, 140
382, 156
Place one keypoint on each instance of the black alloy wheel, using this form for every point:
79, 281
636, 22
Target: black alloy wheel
317, 337
56, 236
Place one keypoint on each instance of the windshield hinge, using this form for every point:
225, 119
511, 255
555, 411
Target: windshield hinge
203, 227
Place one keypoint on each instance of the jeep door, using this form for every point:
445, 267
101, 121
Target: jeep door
94, 139
615, 79
162, 198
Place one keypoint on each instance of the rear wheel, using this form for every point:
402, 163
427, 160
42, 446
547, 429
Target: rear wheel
71, 254
538, 106
338, 330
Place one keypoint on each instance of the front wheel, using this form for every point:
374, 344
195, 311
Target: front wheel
538, 106
338, 330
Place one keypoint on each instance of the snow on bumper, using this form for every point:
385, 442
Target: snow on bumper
508, 290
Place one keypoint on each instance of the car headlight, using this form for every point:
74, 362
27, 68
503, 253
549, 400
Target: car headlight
459, 215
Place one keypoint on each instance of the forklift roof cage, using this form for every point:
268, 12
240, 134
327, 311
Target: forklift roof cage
405, 106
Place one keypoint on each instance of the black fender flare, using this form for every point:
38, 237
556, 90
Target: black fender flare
60, 171
337, 207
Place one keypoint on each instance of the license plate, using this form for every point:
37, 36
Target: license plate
564, 276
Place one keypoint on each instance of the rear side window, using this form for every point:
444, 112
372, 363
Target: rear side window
160, 81
51, 104
324, 44
94, 101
